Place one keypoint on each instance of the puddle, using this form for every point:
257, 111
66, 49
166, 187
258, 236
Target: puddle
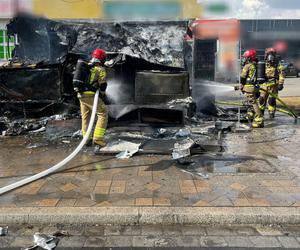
226, 164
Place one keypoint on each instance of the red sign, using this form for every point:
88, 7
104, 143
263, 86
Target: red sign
228, 30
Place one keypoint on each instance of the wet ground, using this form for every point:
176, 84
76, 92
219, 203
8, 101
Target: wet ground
158, 236
260, 168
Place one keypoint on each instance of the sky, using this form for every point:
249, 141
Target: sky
257, 9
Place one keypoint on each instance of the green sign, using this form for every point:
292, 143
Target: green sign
147, 9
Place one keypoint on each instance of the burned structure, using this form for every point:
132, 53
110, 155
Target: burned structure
146, 60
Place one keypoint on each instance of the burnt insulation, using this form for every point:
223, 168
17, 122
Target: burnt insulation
40, 39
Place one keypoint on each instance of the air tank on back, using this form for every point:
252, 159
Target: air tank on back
81, 74
261, 72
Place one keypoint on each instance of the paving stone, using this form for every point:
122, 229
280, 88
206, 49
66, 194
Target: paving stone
112, 230
241, 203
264, 241
68, 187
95, 242
132, 230
119, 241
66, 203
289, 242
47, 202
193, 230
152, 186
73, 230
143, 202
237, 186
161, 202
202, 204
259, 202
171, 230
22, 241
103, 183
118, 187
212, 241
72, 241
6, 241
238, 241
220, 231
101, 190
94, 230
291, 230
143, 241
151, 230
268, 231
84, 202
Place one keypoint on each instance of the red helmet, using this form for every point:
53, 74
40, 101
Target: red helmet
250, 55
99, 54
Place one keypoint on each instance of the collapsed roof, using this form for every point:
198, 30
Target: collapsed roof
49, 41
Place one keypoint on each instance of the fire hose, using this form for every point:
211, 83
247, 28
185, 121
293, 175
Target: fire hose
286, 109
61, 163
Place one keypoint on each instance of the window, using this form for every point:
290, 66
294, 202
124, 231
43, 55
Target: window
4, 52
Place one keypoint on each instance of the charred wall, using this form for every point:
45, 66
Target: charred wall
49, 41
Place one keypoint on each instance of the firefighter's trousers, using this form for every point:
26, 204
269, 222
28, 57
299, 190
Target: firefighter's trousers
264, 97
86, 105
250, 92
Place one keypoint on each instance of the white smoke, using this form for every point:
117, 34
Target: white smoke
118, 92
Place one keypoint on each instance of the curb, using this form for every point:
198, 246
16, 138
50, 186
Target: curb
151, 215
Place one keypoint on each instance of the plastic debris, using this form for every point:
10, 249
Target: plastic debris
125, 149
126, 154
182, 149
283, 158
77, 134
187, 100
36, 145
44, 241
3, 231
161, 131
183, 132
203, 175
42, 129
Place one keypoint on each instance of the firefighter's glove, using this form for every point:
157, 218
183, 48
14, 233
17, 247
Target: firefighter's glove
280, 87
95, 86
104, 98
242, 88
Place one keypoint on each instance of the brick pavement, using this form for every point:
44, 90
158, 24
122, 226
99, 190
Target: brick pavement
260, 168
158, 236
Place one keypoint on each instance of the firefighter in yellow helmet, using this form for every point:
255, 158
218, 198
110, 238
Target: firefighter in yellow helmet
96, 79
249, 88
274, 82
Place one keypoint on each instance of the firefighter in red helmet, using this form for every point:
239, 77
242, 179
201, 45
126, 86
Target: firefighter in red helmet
274, 82
97, 80
249, 88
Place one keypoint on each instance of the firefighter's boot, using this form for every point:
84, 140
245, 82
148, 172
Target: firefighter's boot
272, 115
258, 122
250, 116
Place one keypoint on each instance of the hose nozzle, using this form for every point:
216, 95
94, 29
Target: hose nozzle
237, 87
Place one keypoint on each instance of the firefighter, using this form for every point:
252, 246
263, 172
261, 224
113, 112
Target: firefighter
96, 80
249, 87
274, 82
